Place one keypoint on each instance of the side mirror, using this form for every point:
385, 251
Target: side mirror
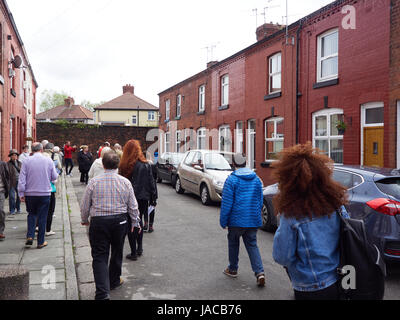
197, 167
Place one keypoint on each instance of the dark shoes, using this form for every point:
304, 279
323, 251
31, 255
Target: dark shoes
41, 246
261, 280
229, 273
121, 282
151, 230
29, 242
131, 257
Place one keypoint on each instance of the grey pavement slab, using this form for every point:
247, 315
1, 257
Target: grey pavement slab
83, 254
85, 272
37, 292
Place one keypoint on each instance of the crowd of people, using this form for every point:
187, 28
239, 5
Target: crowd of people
121, 196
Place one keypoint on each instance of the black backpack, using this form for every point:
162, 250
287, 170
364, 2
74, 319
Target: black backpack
357, 251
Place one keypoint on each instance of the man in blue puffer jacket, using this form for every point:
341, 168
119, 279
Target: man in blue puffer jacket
242, 200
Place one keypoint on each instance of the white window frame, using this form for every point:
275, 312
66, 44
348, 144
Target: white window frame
275, 136
151, 116
327, 113
320, 59
167, 142
222, 132
239, 146
201, 134
168, 110
134, 119
178, 105
11, 134
225, 90
202, 98
272, 74
364, 108
178, 136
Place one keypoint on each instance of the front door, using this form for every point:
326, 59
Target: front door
373, 146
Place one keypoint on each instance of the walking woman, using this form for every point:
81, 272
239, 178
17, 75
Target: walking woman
307, 241
85, 160
135, 167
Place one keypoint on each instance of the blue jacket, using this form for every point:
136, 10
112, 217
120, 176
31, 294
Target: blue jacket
242, 200
310, 250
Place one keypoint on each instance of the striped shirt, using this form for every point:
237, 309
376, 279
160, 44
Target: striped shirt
109, 194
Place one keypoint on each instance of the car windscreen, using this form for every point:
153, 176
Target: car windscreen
177, 158
216, 161
390, 186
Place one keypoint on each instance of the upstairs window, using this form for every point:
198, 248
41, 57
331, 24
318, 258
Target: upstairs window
167, 109
151, 116
134, 119
178, 105
225, 90
328, 55
275, 73
202, 98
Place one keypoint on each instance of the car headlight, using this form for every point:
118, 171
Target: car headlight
218, 183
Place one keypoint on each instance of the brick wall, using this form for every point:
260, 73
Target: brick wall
93, 136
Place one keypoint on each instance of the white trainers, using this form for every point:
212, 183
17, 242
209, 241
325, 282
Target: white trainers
51, 233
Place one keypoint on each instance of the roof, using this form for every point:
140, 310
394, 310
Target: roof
66, 113
127, 101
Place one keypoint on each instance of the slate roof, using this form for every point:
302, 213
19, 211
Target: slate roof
127, 101
74, 112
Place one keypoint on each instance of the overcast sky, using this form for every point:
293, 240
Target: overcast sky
90, 49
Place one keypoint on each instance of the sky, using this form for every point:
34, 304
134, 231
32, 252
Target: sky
90, 49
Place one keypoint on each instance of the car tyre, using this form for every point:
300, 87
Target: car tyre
178, 186
159, 180
267, 219
205, 195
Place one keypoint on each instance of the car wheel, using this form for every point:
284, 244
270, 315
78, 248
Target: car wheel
159, 180
178, 187
267, 220
173, 181
205, 196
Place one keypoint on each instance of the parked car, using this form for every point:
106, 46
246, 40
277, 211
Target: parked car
167, 166
203, 172
374, 196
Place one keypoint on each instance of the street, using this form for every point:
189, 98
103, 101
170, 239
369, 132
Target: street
185, 256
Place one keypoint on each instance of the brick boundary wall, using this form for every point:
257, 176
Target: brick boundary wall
91, 135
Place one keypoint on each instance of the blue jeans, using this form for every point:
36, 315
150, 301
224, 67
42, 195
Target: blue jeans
14, 200
250, 241
37, 208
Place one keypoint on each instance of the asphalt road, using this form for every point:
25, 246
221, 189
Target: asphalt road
185, 256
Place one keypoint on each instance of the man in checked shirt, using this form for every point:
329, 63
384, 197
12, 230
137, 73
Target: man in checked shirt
108, 199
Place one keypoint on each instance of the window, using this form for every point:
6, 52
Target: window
328, 54
178, 105
151, 116
239, 137
12, 82
325, 134
225, 140
202, 98
274, 138
189, 159
167, 142
201, 138
225, 90
275, 68
11, 133
134, 119
178, 136
167, 109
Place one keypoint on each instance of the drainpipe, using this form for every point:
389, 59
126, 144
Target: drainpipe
297, 79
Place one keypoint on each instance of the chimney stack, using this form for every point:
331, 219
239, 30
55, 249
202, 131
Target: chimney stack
128, 89
267, 29
69, 102
211, 63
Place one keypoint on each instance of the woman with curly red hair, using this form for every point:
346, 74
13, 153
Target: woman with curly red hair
135, 167
307, 240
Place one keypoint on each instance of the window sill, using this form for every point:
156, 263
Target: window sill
327, 83
273, 96
267, 164
177, 118
225, 107
201, 113
13, 93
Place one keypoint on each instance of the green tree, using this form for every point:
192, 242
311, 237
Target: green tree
50, 99
89, 105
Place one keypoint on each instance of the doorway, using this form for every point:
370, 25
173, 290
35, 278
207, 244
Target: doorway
251, 144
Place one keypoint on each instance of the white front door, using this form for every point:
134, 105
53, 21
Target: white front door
251, 144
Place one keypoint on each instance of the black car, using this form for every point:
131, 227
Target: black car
374, 197
167, 167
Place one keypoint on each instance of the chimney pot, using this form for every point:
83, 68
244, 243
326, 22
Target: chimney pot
266, 30
69, 102
128, 89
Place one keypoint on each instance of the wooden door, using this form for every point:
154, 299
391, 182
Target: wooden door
373, 146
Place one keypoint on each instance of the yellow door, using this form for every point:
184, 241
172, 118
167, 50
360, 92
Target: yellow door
373, 146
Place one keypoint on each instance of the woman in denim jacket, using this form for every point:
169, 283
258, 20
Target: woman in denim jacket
307, 240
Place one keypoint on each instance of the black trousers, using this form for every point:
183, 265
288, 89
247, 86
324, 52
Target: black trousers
50, 213
106, 232
68, 162
135, 238
151, 217
330, 293
85, 177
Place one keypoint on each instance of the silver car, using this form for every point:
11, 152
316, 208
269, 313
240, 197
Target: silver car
203, 172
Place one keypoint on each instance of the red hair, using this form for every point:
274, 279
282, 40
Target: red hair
132, 153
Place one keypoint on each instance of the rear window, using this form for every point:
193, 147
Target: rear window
390, 186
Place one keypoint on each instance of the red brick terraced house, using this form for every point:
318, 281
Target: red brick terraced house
331, 78
18, 88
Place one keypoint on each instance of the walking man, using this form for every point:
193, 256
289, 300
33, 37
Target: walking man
107, 200
4, 189
242, 200
34, 188
25, 154
68, 157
